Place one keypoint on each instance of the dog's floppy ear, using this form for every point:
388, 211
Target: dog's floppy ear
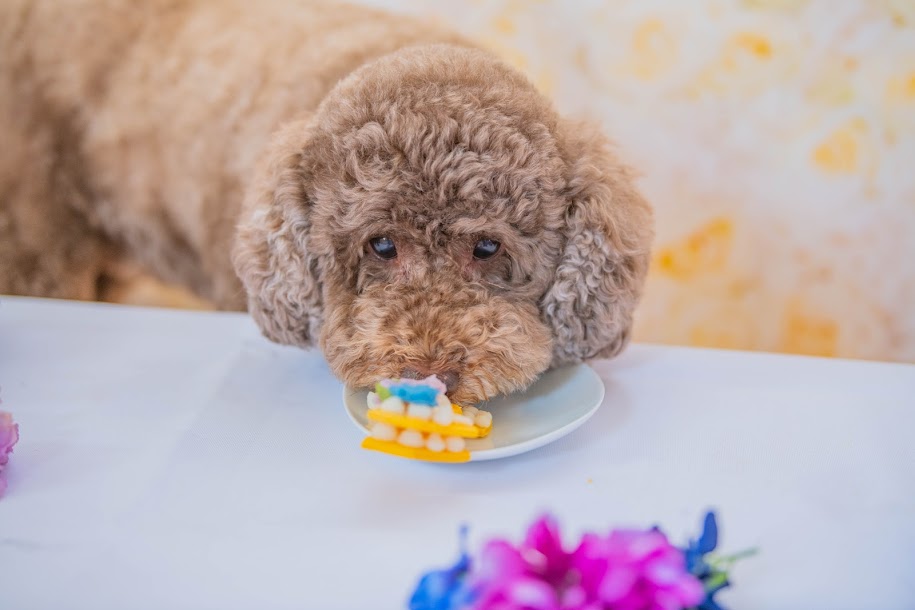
271, 255
602, 268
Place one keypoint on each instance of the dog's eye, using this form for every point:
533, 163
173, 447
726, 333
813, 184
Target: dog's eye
384, 247
486, 248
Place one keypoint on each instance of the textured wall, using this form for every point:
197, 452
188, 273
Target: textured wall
777, 142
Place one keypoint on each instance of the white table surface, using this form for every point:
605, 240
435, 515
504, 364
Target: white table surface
178, 460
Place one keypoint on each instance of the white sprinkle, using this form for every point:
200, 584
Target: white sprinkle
419, 411
410, 438
443, 401
383, 432
483, 419
435, 443
463, 419
373, 401
443, 415
392, 404
454, 444
470, 412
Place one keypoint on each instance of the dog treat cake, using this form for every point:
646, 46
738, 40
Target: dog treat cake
416, 420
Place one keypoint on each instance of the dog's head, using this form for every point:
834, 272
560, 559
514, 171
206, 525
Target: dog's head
434, 215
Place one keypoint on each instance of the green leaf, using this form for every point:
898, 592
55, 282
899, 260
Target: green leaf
717, 579
725, 562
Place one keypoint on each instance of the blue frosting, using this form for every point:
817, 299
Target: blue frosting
416, 394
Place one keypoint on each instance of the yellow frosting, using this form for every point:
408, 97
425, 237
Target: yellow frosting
427, 426
415, 453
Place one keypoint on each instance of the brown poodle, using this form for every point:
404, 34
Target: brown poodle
356, 179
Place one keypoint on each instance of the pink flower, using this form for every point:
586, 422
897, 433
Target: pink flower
626, 570
635, 570
9, 435
503, 580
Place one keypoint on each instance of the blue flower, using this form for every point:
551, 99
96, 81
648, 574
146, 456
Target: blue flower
445, 589
706, 543
711, 571
698, 565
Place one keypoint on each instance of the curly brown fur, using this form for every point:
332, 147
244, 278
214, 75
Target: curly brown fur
433, 145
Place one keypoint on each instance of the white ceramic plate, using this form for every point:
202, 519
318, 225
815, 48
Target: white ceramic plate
558, 403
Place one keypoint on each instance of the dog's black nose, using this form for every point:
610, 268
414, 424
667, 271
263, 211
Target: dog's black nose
449, 378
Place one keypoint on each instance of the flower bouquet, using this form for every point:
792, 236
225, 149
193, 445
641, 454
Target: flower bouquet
9, 434
623, 570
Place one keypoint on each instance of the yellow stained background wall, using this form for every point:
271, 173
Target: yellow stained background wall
776, 140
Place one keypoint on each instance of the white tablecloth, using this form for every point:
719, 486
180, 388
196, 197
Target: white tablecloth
178, 460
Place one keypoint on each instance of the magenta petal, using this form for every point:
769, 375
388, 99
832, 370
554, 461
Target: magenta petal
617, 583
689, 590
664, 600
590, 563
499, 560
532, 594
672, 556
663, 574
574, 598
584, 605
636, 545
543, 535
543, 551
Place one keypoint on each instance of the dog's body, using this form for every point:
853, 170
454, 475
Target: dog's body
137, 130
148, 118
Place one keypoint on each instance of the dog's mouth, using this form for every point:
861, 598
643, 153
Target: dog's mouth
478, 387
472, 390
480, 348
468, 383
